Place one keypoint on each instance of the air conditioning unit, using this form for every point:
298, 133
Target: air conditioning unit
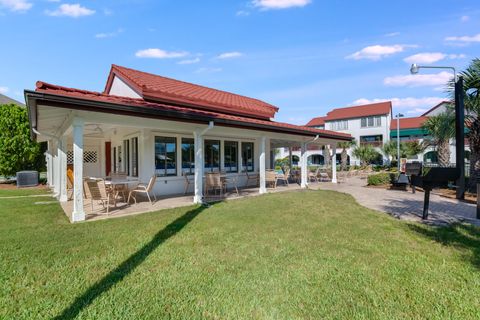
27, 179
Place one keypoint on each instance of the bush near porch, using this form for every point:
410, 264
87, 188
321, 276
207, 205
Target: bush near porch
382, 178
295, 255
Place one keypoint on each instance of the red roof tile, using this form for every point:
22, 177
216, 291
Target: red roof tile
47, 88
408, 123
373, 109
162, 89
316, 122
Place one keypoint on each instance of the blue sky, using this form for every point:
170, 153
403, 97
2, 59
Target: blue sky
304, 56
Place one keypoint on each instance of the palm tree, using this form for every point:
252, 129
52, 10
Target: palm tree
344, 155
390, 149
366, 153
471, 87
441, 128
413, 148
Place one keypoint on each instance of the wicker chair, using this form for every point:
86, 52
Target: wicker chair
271, 178
187, 181
285, 176
213, 181
253, 176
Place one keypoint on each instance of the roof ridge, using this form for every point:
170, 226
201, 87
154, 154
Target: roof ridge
119, 68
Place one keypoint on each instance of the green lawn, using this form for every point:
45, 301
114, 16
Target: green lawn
296, 255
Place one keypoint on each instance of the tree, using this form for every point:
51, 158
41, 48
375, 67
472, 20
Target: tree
441, 128
390, 150
471, 87
17, 150
366, 153
344, 155
413, 148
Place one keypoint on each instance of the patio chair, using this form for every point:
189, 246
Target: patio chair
284, 177
313, 176
70, 183
143, 188
98, 192
213, 181
187, 181
271, 178
120, 188
253, 176
323, 177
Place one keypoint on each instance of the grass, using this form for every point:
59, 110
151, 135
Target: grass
297, 255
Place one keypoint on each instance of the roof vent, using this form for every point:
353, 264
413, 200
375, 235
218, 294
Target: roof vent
27, 179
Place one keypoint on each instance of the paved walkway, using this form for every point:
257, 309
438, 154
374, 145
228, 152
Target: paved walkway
405, 205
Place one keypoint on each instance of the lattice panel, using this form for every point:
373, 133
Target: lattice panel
89, 156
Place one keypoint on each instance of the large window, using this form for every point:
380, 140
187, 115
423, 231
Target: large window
188, 155
247, 156
231, 156
126, 150
368, 122
165, 156
134, 142
339, 125
374, 141
212, 155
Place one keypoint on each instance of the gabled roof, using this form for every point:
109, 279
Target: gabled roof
161, 89
436, 107
101, 102
316, 122
373, 109
408, 123
7, 100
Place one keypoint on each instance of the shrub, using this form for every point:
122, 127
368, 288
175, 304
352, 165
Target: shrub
381, 179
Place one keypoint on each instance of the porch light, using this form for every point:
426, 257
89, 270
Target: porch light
415, 68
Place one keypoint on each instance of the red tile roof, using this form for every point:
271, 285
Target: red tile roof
316, 122
85, 95
408, 123
157, 88
373, 109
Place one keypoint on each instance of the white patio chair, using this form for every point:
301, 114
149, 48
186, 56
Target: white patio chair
144, 188
284, 177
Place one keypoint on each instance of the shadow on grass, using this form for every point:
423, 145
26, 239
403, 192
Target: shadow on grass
462, 236
127, 266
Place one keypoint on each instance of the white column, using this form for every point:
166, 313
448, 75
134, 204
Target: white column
261, 165
290, 159
78, 212
334, 163
303, 163
62, 158
56, 171
199, 164
49, 159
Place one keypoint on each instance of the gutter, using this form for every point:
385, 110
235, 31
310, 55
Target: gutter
139, 111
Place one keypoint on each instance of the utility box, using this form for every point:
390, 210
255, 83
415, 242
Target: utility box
27, 179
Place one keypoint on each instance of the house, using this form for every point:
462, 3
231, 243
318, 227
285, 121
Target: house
7, 100
411, 129
144, 124
368, 124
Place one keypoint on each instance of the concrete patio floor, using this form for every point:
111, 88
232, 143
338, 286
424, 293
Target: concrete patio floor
123, 209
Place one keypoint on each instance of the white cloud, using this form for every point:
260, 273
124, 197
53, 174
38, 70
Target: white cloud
16, 5
229, 55
465, 18
408, 102
464, 39
160, 54
418, 80
417, 111
207, 70
378, 52
103, 35
70, 10
189, 61
242, 13
4, 90
279, 4
392, 34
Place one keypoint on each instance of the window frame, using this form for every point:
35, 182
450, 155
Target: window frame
191, 168
206, 156
244, 160
233, 158
173, 141
134, 158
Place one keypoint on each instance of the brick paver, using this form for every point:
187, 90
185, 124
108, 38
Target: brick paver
405, 205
